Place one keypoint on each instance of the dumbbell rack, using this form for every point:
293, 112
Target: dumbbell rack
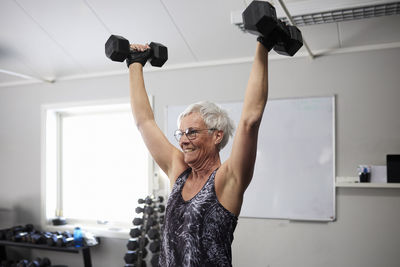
147, 227
85, 250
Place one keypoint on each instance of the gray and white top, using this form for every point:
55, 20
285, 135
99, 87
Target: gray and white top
197, 232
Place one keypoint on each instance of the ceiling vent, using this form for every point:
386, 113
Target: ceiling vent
346, 14
331, 16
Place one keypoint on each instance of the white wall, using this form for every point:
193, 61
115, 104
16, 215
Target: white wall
366, 85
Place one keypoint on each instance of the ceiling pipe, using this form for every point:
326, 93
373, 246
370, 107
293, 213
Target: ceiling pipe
24, 76
294, 24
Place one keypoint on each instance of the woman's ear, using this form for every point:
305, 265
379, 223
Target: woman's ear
219, 135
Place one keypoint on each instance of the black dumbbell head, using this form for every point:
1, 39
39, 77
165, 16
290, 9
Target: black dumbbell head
155, 246
117, 48
153, 234
131, 257
159, 54
154, 260
139, 210
161, 208
149, 200
291, 43
133, 244
135, 232
45, 262
259, 18
138, 221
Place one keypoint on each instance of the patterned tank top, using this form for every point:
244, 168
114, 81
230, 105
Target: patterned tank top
197, 232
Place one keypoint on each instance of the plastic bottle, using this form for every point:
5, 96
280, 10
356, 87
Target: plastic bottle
78, 237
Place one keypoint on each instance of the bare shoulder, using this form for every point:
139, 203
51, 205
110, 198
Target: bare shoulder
177, 168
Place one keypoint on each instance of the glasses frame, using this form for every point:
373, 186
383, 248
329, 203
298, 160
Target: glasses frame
191, 133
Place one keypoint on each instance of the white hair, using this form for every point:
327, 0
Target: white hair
214, 117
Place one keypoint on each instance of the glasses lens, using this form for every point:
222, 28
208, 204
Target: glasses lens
191, 134
178, 134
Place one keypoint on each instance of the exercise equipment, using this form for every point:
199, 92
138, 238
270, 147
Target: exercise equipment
135, 243
37, 262
154, 260
133, 256
117, 48
135, 232
259, 18
155, 246
148, 226
153, 233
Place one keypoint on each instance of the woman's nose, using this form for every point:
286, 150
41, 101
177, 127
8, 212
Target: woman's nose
184, 139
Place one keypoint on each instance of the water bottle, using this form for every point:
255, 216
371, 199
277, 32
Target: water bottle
78, 237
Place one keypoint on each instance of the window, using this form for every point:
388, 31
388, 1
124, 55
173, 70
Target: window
96, 164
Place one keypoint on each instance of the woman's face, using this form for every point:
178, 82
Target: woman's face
198, 150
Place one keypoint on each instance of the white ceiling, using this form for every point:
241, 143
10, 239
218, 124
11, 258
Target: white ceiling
64, 39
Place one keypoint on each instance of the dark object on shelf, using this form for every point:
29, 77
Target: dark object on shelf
393, 168
59, 221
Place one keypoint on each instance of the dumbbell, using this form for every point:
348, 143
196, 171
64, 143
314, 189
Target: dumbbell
150, 200
150, 210
58, 238
40, 238
153, 233
38, 262
152, 221
132, 256
155, 246
17, 233
23, 263
136, 232
259, 18
138, 221
65, 240
141, 264
135, 243
154, 260
118, 48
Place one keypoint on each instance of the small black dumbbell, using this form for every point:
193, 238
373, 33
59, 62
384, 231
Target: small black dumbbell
155, 246
136, 232
23, 263
154, 260
66, 240
149, 200
150, 210
118, 48
132, 256
38, 262
135, 243
153, 233
152, 221
138, 221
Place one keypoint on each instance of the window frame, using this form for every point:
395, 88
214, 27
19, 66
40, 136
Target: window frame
53, 112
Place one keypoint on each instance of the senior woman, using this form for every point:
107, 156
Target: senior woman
207, 195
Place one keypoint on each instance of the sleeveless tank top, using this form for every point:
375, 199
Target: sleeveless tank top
197, 232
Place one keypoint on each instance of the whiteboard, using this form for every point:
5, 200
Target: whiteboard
294, 172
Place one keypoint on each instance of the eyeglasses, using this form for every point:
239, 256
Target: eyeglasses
190, 133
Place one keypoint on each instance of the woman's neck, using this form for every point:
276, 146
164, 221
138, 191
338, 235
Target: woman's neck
204, 169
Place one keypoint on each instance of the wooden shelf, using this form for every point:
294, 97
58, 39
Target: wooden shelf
369, 185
